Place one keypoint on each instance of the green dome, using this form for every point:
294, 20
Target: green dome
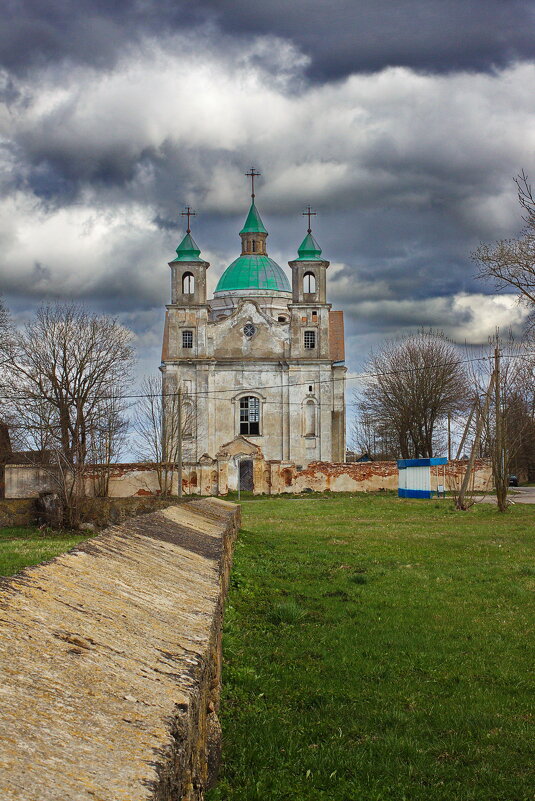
188, 250
253, 272
309, 250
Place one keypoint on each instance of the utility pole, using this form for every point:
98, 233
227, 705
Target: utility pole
179, 443
449, 436
475, 445
466, 429
499, 453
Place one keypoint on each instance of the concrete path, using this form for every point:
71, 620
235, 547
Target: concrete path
516, 495
523, 494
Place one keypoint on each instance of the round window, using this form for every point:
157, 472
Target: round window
249, 330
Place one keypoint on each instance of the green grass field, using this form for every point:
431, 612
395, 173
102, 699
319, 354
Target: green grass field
21, 547
379, 649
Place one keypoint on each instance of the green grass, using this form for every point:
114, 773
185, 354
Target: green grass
378, 649
21, 547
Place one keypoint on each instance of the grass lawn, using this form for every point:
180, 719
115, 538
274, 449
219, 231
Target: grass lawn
21, 546
379, 649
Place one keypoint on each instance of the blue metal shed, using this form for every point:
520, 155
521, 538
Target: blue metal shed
415, 477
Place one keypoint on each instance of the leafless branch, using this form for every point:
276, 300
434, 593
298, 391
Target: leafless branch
403, 407
61, 371
511, 262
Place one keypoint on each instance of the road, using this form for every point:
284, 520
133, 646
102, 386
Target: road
523, 494
516, 495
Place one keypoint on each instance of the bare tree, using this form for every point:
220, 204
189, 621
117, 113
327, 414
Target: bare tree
163, 423
520, 411
511, 262
508, 423
15, 435
362, 433
5, 321
107, 438
415, 382
61, 372
372, 435
520, 427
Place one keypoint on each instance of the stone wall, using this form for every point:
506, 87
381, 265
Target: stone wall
218, 476
363, 477
99, 511
18, 512
109, 511
111, 662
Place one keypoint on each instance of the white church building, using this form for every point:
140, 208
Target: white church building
261, 364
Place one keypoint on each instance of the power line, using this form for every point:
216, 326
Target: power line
359, 377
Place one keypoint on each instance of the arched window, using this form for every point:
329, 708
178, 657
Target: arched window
253, 245
249, 415
188, 284
310, 419
309, 283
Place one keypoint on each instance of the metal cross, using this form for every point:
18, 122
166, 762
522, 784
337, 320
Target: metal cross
309, 213
188, 213
252, 174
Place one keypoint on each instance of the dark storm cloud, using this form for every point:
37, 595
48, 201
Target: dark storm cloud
86, 31
340, 37
344, 36
407, 170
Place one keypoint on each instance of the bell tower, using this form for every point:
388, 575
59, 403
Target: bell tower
309, 270
253, 234
188, 271
187, 314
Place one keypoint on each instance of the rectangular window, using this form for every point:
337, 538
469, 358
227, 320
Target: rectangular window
187, 339
249, 415
310, 340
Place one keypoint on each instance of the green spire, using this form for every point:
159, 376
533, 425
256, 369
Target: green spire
253, 223
309, 250
188, 250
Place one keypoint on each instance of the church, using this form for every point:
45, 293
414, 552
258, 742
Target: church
260, 365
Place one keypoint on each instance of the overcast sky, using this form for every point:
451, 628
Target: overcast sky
403, 124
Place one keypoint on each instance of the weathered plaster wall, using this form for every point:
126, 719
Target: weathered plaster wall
217, 477
111, 662
26, 481
366, 476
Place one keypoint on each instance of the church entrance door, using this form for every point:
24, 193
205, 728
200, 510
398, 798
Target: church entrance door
246, 475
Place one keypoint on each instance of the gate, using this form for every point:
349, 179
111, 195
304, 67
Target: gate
246, 475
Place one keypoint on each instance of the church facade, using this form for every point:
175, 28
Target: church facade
262, 361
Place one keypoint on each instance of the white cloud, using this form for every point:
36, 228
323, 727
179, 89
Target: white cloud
464, 317
374, 136
77, 251
181, 120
